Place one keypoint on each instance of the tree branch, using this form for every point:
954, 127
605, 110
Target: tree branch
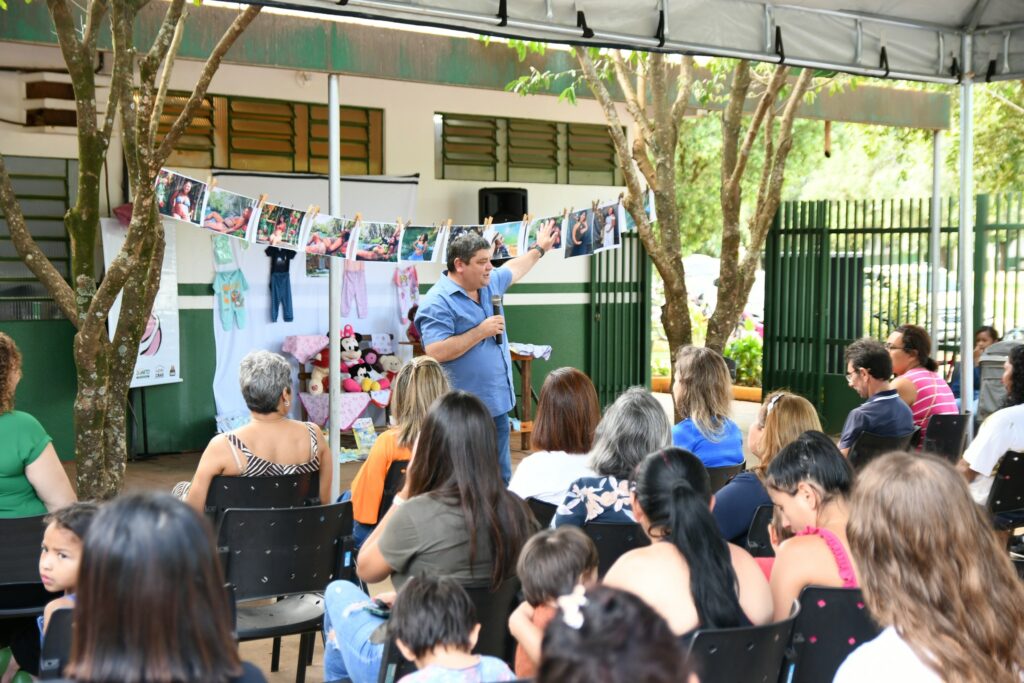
30, 252
766, 102
240, 23
67, 37
165, 76
97, 9
632, 104
164, 37
731, 118
682, 102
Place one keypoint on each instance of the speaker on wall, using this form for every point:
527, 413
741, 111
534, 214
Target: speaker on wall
504, 204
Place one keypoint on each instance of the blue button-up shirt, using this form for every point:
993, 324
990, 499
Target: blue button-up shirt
486, 369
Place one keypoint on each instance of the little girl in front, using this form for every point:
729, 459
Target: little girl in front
61, 555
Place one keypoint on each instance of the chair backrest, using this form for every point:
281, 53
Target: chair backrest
759, 543
752, 654
493, 608
56, 649
832, 623
869, 446
1018, 564
544, 512
276, 552
283, 491
945, 436
394, 480
720, 476
1007, 494
21, 591
613, 541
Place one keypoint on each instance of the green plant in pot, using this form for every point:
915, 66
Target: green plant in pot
746, 349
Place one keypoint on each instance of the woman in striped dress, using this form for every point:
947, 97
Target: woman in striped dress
271, 444
917, 379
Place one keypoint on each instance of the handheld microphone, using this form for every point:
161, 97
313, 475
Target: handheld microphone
496, 304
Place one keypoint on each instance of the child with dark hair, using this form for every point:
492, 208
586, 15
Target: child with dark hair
553, 562
434, 625
61, 554
608, 635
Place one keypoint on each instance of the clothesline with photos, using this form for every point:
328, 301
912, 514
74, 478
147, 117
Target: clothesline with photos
581, 232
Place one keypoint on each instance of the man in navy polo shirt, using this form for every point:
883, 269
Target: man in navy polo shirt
868, 369
460, 325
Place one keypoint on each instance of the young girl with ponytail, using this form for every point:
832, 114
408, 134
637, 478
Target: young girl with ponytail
672, 502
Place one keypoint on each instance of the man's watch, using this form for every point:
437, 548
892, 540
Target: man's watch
540, 250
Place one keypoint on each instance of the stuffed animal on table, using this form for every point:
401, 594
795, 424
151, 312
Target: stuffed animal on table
372, 358
390, 364
350, 355
362, 378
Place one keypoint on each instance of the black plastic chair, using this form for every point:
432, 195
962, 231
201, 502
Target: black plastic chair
749, 654
544, 512
291, 554
720, 476
394, 480
869, 446
493, 608
56, 645
1006, 499
283, 491
21, 591
832, 623
945, 436
1019, 566
759, 542
613, 541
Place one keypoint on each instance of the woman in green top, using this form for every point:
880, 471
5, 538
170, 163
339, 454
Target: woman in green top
32, 480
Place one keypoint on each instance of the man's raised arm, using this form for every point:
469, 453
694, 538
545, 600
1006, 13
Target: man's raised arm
522, 264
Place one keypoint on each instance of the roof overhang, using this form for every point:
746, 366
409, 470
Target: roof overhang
918, 40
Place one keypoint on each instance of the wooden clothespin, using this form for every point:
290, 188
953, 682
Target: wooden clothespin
262, 200
359, 218
622, 195
313, 209
211, 182
400, 223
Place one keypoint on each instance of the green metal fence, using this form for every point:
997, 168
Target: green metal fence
620, 331
836, 271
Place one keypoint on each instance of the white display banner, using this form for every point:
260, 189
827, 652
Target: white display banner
159, 360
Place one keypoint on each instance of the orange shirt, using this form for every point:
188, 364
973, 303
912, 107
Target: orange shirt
542, 614
368, 486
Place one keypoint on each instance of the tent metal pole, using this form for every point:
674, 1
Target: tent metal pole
934, 244
335, 278
966, 264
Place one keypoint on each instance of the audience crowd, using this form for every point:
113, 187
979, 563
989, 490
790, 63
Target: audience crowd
907, 529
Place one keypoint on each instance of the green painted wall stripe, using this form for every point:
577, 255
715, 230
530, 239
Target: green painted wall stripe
194, 289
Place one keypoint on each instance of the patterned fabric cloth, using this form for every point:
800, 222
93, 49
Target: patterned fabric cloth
304, 346
255, 466
596, 499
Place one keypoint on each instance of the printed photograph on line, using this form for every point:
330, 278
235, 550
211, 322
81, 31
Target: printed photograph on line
228, 213
503, 239
580, 234
279, 226
378, 242
179, 196
539, 224
607, 236
419, 243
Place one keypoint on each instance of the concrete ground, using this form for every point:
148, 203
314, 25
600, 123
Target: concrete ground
162, 472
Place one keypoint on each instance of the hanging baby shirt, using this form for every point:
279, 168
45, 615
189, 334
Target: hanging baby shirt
280, 284
408, 284
229, 287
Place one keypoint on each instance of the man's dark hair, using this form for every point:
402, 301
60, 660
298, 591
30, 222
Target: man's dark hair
552, 562
871, 355
464, 247
1015, 392
431, 611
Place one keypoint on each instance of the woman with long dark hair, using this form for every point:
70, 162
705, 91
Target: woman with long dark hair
151, 605
454, 518
934, 576
1002, 431
672, 502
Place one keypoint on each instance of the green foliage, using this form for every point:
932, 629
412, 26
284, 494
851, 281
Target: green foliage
746, 349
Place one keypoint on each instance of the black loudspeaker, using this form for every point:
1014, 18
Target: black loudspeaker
504, 204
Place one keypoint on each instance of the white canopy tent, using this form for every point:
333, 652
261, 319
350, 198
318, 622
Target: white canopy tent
938, 41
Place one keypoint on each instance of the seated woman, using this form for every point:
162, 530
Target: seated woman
809, 482
943, 592
703, 396
457, 520
32, 480
563, 432
418, 384
673, 503
1001, 431
984, 337
151, 607
782, 418
271, 444
631, 428
918, 381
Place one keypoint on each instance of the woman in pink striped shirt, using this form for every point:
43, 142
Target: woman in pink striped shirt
917, 381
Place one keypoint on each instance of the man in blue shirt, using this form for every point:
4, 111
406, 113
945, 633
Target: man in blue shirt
460, 325
868, 369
